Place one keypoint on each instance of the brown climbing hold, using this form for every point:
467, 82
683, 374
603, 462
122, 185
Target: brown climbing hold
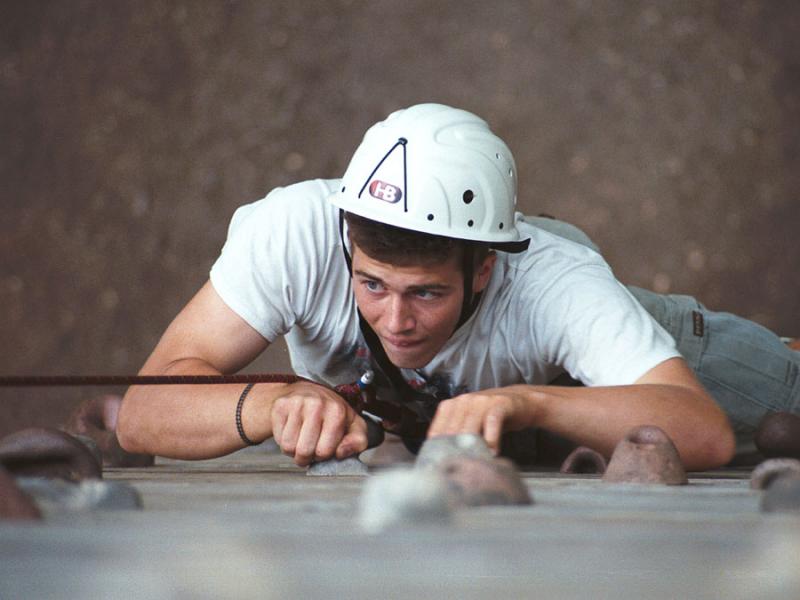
646, 455
14, 503
584, 460
96, 418
765, 473
48, 452
778, 435
474, 481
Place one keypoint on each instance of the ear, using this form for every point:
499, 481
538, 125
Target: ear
482, 273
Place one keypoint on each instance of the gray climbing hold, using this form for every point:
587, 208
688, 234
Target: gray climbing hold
766, 472
782, 494
56, 495
347, 467
438, 449
351, 466
402, 498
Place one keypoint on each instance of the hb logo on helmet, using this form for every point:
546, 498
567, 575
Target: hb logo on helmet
385, 191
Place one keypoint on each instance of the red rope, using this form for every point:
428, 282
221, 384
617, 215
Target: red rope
88, 380
406, 419
349, 391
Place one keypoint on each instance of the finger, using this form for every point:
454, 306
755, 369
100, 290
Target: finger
493, 428
442, 420
355, 440
452, 425
278, 421
308, 437
333, 431
435, 427
291, 430
473, 422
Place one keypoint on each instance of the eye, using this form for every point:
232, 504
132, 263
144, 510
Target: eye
372, 285
427, 294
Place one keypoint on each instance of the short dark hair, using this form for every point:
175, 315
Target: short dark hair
404, 247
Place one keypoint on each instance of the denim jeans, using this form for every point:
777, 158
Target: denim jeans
745, 367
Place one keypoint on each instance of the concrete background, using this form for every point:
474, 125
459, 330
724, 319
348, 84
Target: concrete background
130, 131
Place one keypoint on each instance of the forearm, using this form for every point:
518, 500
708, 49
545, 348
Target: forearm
192, 421
600, 417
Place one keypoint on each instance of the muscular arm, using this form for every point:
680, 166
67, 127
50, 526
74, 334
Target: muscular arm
668, 396
192, 422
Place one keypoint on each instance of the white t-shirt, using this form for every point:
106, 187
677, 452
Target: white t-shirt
556, 307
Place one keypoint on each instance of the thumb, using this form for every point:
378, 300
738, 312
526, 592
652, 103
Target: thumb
355, 440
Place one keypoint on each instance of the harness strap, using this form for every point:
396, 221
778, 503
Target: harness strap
389, 369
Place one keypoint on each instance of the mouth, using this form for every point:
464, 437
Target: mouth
401, 344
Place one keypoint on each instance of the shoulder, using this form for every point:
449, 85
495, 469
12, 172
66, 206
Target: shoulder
551, 262
550, 288
299, 204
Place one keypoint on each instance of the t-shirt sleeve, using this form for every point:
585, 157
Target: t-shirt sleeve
268, 260
589, 324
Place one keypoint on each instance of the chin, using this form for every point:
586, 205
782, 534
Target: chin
403, 363
407, 362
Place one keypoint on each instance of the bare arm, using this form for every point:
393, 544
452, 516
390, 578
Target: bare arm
309, 421
668, 396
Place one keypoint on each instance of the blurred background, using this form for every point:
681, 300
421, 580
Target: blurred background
130, 131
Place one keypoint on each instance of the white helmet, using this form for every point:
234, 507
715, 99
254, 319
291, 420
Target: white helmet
438, 170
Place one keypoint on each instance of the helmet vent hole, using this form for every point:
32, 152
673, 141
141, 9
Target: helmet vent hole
501, 225
430, 217
470, 223
511, 172
497, 155
468, 196
344, 187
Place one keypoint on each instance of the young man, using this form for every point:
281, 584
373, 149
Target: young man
416, 266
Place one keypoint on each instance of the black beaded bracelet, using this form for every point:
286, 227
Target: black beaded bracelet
239, 427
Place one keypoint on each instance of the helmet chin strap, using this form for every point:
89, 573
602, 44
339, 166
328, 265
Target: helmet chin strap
470, 300
389, 369
468, 303
403, 389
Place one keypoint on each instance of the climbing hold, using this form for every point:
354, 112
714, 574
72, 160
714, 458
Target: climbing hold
404, 497
764, 474
48, 452
14, 503
778, 435
782, 494
780, 480
96, 418
57, 495
483, 482
646, 455
473, 475
91, 445
347, 467
351, 466
438, 449
584, 460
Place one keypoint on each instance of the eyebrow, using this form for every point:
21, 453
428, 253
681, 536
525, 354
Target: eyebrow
414, 288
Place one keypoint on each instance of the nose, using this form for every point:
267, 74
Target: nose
400, 316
